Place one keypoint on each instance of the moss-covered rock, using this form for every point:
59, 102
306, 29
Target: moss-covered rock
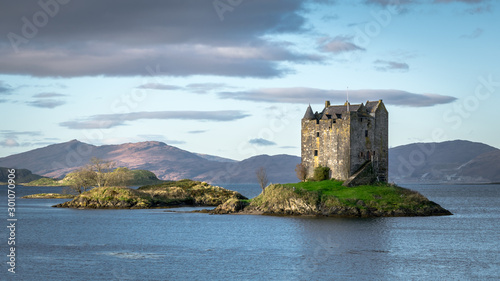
332, 199
231, 206
171, 194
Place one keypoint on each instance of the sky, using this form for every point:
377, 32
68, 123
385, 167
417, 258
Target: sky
233, 78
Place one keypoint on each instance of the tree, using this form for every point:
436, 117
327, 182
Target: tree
99, 173
120, 176
301, 172
102, 169
262, 177
82, 180
321, 173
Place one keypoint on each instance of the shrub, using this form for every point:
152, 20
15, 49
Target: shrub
321, 173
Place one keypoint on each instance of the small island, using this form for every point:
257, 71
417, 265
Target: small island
324, 198
49, 196
165, 195
330, 198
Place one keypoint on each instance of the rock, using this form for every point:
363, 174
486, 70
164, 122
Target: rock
231, 206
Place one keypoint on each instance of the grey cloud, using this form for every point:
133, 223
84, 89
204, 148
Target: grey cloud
158, 86
5, 89
48, 95
338, 44
383, 65
313, 95
14, 134
11, 137
9, 143
252, 61
183, 37
46, 103
106, 121
261, 142
197, 132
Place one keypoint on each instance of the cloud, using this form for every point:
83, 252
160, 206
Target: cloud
106, 121
11, 137
48, 95
338, 44
261, 142
303, 95
46, 103
5, 89
383, 65
9, 143
197, 132
183, 37
158, 86
46, 100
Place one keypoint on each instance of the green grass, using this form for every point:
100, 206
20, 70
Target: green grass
380, 196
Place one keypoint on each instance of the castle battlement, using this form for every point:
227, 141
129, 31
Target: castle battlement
347, 138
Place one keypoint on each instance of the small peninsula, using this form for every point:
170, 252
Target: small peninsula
49, 196
330, 198
164, 195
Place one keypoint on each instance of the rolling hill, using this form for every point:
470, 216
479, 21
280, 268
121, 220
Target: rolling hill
447, 162
167, 162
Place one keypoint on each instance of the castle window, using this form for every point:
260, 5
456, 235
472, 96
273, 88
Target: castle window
317, 134
366, 133
315, 153
368, 156
361, 154
339, 116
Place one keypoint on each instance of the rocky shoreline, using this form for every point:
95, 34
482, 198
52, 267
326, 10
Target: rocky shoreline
165, 195
280, 200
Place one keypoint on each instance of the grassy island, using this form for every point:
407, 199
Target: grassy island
49, 196
330, 198
164, 195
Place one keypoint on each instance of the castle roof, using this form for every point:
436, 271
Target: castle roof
337, 110
309, 114
371, 106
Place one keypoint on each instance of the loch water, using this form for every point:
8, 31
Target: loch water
158, 244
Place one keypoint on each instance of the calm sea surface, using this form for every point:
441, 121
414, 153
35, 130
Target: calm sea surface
68, 244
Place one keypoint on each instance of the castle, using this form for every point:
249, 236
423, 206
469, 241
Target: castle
350, 139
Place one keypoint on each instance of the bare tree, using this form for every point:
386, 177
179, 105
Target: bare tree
301, 172
262, 177
82, 180
120, 176
102, 169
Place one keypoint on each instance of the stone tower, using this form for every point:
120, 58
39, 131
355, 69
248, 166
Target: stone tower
350, 139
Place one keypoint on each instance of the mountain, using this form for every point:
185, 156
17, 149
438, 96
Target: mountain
167, 162
450, 161
22, 175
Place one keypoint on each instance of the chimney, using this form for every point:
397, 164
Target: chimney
327, 103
